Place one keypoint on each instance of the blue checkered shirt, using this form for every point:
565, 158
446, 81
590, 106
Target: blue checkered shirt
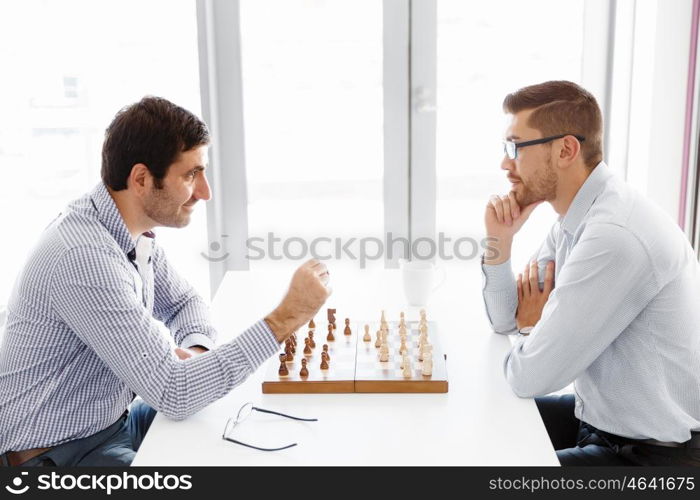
82, 338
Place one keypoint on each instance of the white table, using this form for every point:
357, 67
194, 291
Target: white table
479, 422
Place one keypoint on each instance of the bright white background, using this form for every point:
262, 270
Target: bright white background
312, 100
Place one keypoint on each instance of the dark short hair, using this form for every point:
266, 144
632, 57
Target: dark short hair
562, 107
153, 131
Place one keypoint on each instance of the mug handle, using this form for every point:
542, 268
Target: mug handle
442, 279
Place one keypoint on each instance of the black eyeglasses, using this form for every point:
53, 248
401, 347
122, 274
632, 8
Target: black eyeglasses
510, 148
243, 413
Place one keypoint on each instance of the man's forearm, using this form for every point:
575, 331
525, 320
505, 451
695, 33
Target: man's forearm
498, 250
500, 296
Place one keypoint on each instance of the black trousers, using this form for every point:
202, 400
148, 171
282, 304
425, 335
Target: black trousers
579, 443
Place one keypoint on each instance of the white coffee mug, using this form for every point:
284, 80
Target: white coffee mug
420, 280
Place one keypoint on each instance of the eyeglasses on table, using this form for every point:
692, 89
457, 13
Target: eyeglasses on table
244, 412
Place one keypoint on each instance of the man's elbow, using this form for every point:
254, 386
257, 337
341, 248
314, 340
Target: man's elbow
176, 415
528, 386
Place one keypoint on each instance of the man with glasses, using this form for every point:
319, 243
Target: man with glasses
609, 301
82, 338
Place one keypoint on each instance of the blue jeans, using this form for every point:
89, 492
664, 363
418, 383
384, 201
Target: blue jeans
114, 446
579, 443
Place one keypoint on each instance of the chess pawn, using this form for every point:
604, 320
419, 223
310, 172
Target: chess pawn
324, 363
426, 350
325, 358
427, 368
307, 346
325, 351
347, 330
406, 367
283, 365
312, 325
304, 372
384, 352
367, 337
311, 340
288, 352
330, 337
403, 349
378, 343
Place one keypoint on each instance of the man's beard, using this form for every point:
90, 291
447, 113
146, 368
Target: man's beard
164, 210
541, 186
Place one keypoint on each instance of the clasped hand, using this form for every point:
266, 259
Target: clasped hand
531, 299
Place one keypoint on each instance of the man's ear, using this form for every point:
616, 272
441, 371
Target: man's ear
569, 151
138, 178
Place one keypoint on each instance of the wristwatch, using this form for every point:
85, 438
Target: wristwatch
525, 330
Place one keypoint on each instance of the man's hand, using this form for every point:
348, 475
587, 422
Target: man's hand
503, 218
307, 292
531, 300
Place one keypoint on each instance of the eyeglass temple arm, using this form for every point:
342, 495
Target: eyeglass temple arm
257, 447
262, 410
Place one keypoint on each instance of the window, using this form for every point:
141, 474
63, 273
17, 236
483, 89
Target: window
74, 64
312, 100
483, 54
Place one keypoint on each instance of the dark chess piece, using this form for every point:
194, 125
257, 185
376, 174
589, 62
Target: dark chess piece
347, 330
330, 337
304, 371
283, 365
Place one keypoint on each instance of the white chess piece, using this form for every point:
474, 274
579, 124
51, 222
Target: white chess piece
384, 352
425, 349
403, 349
367, 337
406, 366
427, 364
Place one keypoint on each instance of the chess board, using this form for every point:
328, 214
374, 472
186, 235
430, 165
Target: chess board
354, 363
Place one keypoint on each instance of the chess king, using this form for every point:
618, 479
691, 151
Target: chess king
81, 338
609, 301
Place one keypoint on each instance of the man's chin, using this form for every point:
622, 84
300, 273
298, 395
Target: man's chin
182, 221
524, 198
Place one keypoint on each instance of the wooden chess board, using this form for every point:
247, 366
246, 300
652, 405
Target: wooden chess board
354, 364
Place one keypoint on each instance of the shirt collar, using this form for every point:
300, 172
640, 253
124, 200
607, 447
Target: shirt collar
109, 215
585, 197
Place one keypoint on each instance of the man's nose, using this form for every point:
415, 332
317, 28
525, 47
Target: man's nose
507, 163
203, 191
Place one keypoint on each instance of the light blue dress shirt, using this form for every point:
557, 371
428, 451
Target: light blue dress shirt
623, 321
